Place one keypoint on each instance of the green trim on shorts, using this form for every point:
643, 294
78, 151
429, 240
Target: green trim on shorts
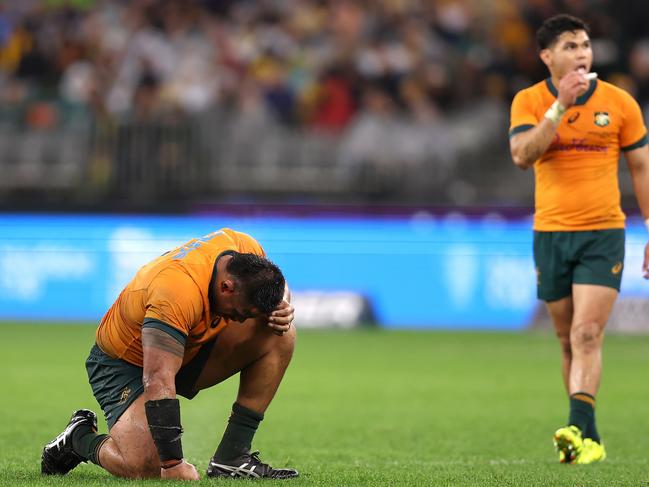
584, 257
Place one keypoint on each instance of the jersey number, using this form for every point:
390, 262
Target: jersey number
185, 249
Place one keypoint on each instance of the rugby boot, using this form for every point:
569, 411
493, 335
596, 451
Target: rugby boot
248, 466
58, 457
591, 452
569, 443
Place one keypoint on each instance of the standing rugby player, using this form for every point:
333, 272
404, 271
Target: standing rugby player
571, 128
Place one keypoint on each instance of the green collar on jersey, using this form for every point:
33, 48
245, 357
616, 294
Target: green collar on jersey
580, 100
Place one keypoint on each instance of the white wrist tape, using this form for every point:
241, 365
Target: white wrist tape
555, 112
646, 224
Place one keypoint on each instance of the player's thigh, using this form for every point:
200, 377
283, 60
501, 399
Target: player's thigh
597, 276
236, 347
117, 386
600, 258
554, 267
133, 439
593, 304
114, 382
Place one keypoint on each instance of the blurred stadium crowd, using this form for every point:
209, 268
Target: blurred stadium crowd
348, 95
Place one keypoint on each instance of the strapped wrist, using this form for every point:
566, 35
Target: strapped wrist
170, 463
555, 112
646, 224
163, 416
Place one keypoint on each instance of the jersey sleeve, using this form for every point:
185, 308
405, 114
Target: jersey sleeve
522, 113
173, 298
633, 133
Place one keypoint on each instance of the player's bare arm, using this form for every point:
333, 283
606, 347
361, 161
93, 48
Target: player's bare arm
163, 356
287, 293
638, 161
159, 340
528, 146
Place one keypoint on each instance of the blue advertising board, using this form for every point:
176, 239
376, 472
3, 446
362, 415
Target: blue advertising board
416, 272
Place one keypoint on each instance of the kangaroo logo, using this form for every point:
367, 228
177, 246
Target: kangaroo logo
602, 119
124, 397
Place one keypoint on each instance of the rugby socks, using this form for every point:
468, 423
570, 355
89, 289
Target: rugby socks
237, 439
86, 443
582, 415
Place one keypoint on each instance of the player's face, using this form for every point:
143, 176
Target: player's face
571, 51
234, 308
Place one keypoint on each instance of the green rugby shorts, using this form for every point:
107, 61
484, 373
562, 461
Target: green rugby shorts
116, 383
585, 257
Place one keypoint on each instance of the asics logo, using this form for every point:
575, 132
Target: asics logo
573, 118
239, 471
59, 441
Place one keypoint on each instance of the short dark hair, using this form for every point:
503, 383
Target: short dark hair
553, 27
262, 281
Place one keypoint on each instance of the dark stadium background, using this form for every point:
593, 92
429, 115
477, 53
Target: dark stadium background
373, 133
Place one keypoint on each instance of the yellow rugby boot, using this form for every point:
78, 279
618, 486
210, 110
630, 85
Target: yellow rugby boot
569, 443
591, 452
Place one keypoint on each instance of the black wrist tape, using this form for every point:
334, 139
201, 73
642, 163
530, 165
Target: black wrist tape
163, 416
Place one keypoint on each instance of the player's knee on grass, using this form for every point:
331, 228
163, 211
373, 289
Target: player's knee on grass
130, 457
144, 468
129, 463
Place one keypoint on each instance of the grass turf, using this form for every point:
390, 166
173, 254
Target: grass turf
366, 407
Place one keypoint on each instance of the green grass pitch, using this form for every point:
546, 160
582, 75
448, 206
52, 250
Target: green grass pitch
366, 407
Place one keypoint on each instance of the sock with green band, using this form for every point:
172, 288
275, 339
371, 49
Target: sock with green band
85, 443
237, 439
582, 414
